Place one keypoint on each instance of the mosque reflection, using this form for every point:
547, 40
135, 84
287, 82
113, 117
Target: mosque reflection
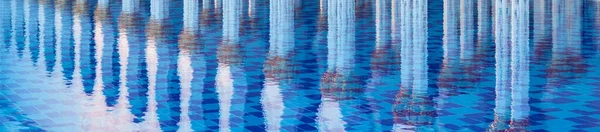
196, 65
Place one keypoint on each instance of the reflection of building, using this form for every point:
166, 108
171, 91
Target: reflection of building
512, 66
278, 71
411, 107
336, 83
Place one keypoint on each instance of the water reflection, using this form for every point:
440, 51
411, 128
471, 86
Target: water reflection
231, 82
154, 33
566, 61
31, 39
411, 106
328, 65
277, 68
512, 66
335, 83
384, 65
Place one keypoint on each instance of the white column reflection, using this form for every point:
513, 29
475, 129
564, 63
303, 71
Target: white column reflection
411, 29
187, 44
512, 65
502, 38
340, 62
229, 63
277, 74
154, 31
252, 8
519, 64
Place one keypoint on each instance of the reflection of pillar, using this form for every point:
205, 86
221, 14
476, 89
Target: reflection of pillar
382, 22
451, 24
230, 69
502, 38
512, 65
134, 79
409, 108
281, 41
159, 9
17, 32
5, 22
105, 25
252, 8
447, 80
31, 40
187, 44
566, 60
519, 64
542, 28
467, 29
335, 83
129, 6
155, 37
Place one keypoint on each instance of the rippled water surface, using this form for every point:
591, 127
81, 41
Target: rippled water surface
300, 65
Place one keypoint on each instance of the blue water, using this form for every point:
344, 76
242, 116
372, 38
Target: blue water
300, 65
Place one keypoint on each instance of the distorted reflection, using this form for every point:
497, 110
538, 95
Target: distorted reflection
335, 83
512, 66
190, 74
277, 68
411, 106
230, 78
294, 65
384, 65
566, 62
155, 35
31, 40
